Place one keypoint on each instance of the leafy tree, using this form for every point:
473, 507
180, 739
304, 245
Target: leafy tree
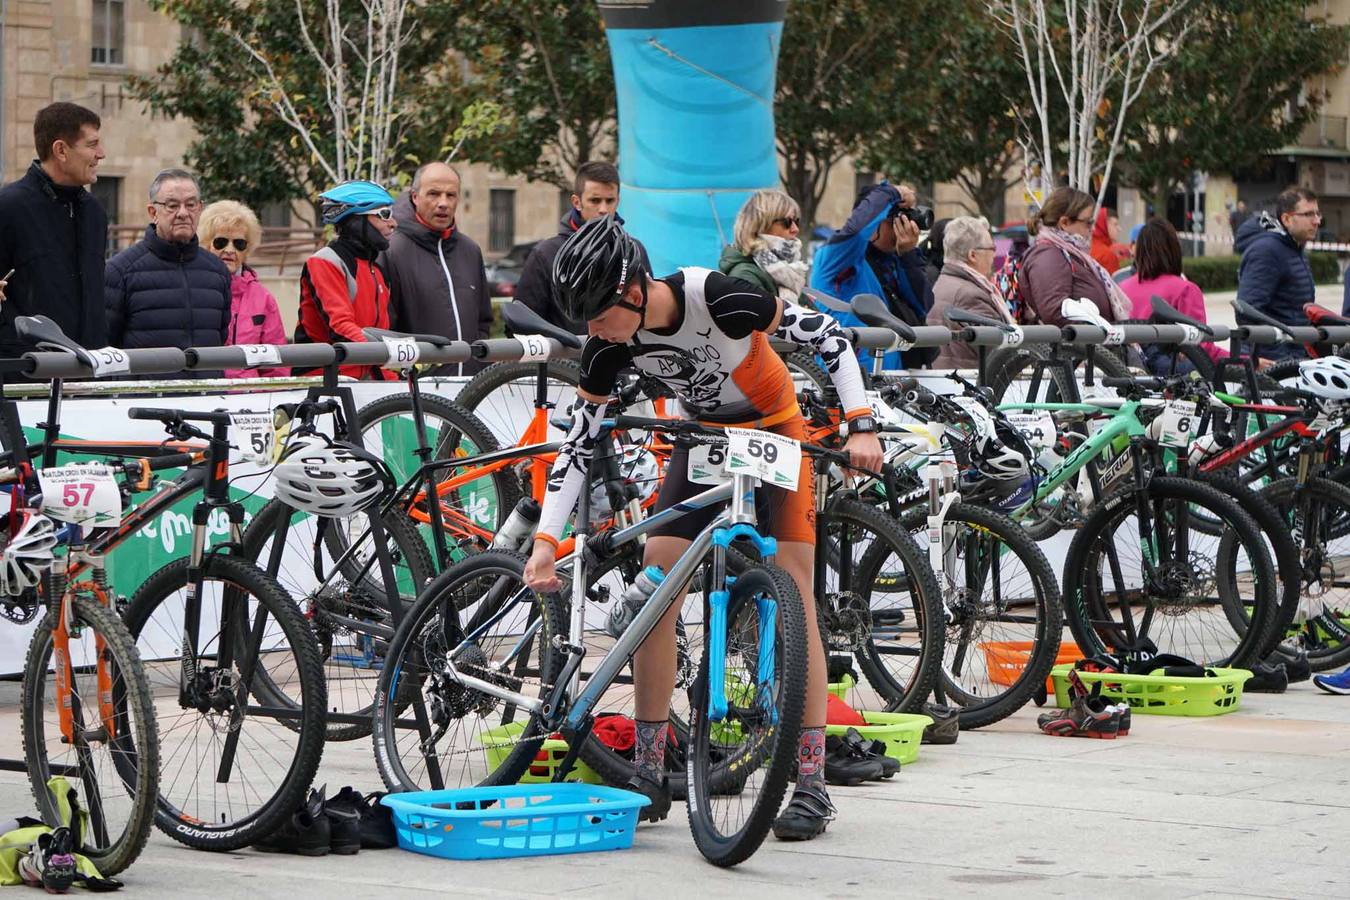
1238, 89
547, 65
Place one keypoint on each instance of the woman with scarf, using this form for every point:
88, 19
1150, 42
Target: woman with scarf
968, 262
766, 252
1059, 265
1106, 246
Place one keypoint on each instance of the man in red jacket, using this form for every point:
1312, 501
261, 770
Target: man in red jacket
342, 288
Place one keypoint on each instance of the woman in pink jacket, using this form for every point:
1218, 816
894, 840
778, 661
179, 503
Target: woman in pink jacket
231, 231
1157, 272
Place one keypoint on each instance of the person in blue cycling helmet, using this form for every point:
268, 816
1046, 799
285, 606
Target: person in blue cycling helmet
342, 288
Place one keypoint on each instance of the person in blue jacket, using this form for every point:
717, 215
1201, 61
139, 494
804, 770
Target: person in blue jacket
874, 253
1274, 275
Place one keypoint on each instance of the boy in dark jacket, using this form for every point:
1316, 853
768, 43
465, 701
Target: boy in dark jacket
1274, 275
53, 232
165, 291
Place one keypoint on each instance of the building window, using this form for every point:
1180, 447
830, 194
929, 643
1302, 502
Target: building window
108, 191
109, 21
501, 220
863, 180
275, 215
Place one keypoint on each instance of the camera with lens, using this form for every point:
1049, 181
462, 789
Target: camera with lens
921, 216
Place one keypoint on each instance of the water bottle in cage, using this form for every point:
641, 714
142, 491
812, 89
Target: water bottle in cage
519, 527
633, 599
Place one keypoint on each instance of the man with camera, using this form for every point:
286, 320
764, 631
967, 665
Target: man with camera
874, 253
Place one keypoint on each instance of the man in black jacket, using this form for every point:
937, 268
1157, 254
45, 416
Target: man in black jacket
596, 193
165, 291
435, 271
53, 233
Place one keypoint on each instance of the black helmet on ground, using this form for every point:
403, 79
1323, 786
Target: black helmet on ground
594, 267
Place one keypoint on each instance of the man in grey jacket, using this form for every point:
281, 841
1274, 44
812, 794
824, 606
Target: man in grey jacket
436, 272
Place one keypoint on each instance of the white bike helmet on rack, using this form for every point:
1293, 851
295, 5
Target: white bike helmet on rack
28, 552
329, 478
1327, 377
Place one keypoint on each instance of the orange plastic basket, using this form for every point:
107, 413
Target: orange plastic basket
1006, 660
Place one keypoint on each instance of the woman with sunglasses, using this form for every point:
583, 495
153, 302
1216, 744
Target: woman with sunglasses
1059, 265
342, 288
767, 252
231, 231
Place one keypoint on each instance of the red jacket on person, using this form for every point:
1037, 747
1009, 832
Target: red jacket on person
343, 291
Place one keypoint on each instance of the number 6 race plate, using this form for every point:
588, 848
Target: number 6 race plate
772, 458
84, 493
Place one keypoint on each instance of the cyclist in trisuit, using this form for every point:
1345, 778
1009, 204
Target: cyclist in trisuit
706, 336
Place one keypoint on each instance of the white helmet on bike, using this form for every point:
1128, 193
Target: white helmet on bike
1327, 377
329, 478
28, 552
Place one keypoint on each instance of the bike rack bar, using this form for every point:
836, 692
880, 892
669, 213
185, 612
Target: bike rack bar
989, 336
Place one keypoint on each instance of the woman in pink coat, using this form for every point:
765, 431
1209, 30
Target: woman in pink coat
231, 231
1157, 272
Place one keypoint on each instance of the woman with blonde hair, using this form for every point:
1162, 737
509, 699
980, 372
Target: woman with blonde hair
766, 251
231, 231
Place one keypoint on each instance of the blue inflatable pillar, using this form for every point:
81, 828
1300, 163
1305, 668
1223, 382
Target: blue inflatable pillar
695, 83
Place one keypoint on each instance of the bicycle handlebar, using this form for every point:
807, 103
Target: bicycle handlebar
176, 416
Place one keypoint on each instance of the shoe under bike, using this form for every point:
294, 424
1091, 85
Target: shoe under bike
50, 862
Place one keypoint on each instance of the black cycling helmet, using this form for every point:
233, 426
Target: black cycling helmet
594, 267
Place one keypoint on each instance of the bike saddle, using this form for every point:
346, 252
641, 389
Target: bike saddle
966, 317
874, 311
44, 334
825, 301
1246, 311
1162, 312
436, 340
1320, 315
520, 319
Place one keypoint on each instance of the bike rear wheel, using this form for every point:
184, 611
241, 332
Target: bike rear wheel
113, 760
739, 766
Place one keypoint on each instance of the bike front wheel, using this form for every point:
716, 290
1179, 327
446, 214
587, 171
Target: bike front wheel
110, 757
739, 765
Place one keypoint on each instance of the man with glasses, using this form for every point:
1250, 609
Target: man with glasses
1274, 275
165, 290
343, 289
53, 232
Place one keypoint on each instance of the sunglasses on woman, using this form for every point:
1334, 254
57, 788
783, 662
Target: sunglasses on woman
788, 221
386, 213
240, 244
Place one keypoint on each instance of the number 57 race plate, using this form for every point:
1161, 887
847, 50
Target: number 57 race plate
772, 458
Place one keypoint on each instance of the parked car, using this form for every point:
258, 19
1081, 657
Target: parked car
504, 273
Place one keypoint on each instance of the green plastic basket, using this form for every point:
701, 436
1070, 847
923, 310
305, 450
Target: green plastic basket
900, 732
841, 688
497, 743
1162, 695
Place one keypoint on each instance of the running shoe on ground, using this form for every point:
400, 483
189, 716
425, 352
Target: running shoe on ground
946, 727
1295, 659
343, 813
848, 764
1267, 679
805, 817
658, 793
306, 833
1333, 684
376, 822
1084, 718
50, 862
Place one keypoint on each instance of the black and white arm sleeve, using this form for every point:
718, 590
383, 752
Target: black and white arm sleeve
568, 477
822, 333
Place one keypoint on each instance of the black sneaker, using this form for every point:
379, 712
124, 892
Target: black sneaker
806, 815
1267, 679
841, 752
376, 826
306, 833
657, 792
946, 727
847, 765
344, 822
1295, 660
50, 862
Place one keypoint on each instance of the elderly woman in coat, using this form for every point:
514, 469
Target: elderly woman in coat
964, 283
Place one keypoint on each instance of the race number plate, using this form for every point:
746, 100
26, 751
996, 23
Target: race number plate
772, 458
1037, 426
109, 361
403, 352
1179, 420
708, 463
83, 493
255, 435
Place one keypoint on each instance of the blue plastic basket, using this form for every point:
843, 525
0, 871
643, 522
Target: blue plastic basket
515, 820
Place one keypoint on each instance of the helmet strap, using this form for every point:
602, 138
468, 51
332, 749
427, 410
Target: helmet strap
640, 310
